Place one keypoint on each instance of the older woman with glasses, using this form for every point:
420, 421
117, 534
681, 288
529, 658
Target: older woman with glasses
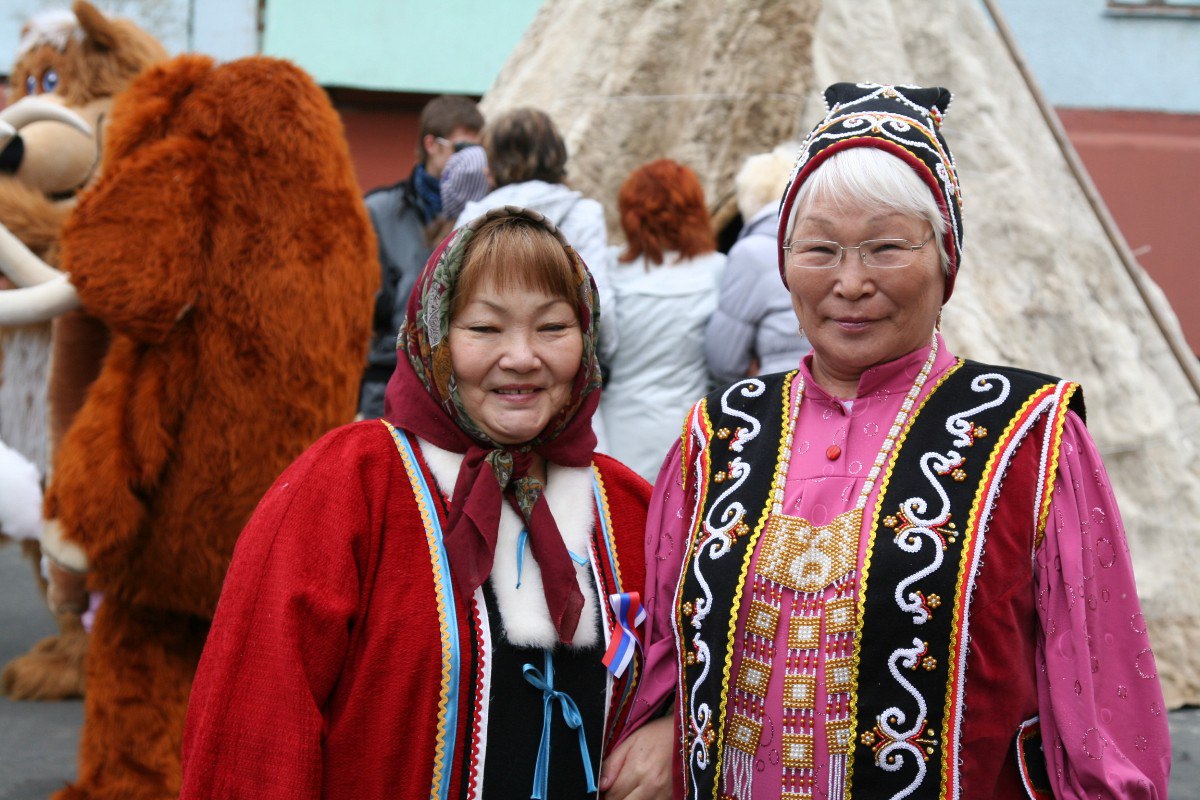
890, 573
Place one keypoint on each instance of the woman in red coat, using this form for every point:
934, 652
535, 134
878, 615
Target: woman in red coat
438, 603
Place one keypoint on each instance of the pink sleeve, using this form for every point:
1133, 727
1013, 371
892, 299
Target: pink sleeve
1103, 721
666, 542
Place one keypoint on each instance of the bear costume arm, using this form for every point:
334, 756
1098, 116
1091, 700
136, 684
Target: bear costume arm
130, 248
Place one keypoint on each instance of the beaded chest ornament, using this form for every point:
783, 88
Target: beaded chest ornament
819, 564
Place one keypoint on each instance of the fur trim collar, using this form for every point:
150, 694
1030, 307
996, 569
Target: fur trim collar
523, 614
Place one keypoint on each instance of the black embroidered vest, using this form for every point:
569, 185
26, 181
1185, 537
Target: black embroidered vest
927, 529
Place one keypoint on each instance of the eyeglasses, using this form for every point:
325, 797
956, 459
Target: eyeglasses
455, 146
875, 253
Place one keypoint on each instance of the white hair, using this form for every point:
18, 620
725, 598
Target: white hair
763, 177
54, 27
876, 180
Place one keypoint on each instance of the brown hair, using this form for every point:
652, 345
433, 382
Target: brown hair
513, 252
524, 145
443, 114
662, 208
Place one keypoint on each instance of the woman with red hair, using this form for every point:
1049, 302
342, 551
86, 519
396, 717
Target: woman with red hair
665, 283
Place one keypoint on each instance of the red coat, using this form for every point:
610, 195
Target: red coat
323, 670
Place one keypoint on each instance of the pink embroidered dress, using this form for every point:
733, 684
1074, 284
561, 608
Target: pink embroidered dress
1101, 710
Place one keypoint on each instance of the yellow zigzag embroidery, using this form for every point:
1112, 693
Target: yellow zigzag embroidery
1051, 477
881, 492
441, 780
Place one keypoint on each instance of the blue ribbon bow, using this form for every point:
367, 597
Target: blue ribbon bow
523, 539
571, 716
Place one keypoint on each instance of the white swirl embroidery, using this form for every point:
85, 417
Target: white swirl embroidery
739, 470
914, 507
751, 387
958, 424
891, 757
701, 715
715, 544
920, 524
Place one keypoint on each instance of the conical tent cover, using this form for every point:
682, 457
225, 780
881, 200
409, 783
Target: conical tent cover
1043, 284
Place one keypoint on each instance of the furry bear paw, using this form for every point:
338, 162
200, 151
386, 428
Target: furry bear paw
53, 669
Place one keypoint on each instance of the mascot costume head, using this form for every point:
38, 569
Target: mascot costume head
226, 250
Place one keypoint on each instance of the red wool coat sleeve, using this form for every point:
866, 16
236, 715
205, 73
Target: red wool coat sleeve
284, 623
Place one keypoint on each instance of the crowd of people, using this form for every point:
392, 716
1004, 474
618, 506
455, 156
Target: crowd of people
666, 336
650, 520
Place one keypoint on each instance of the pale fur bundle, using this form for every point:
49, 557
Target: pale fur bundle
54, 27
20, 496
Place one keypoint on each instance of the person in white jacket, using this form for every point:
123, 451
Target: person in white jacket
527, 159
753, 330
665, 284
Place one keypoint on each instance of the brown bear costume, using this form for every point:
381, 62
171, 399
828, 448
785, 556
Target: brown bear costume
227, 250
76, 60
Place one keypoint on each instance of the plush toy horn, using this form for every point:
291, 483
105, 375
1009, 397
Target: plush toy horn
47, 292
35, 109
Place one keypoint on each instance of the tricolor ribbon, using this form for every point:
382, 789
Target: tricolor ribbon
628, 608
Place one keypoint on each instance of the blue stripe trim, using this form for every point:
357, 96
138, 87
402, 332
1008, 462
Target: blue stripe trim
451, 629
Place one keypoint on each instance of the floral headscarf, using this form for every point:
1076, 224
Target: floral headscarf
422, 398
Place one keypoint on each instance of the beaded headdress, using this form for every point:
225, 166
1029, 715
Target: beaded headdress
902, 120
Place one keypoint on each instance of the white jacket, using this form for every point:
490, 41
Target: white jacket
659, 368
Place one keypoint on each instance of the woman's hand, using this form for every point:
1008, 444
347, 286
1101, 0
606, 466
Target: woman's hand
640, 768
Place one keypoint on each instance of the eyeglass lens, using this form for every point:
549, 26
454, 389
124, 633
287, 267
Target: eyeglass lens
878, 253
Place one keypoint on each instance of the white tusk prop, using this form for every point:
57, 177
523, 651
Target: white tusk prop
20, 264
34, 109
37, 304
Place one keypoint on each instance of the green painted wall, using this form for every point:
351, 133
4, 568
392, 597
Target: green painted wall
452, 46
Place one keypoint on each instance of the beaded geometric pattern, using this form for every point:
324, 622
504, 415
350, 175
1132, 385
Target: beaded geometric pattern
805, 557
816, 566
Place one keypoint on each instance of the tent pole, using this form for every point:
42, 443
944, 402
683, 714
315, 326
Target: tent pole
1179, 347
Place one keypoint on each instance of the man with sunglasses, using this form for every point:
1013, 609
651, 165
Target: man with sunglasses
403, 215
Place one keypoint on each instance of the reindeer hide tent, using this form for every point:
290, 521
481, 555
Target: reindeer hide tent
1045, 283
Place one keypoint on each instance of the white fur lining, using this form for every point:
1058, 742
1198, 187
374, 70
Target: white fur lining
523, 612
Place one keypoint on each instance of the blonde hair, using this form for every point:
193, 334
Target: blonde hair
763, 177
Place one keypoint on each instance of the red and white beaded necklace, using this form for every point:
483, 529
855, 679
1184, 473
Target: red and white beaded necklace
819, 564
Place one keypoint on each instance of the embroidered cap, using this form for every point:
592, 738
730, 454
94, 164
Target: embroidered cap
902, 120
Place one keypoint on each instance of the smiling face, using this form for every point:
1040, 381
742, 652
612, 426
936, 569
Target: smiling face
515, 353
857, 317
